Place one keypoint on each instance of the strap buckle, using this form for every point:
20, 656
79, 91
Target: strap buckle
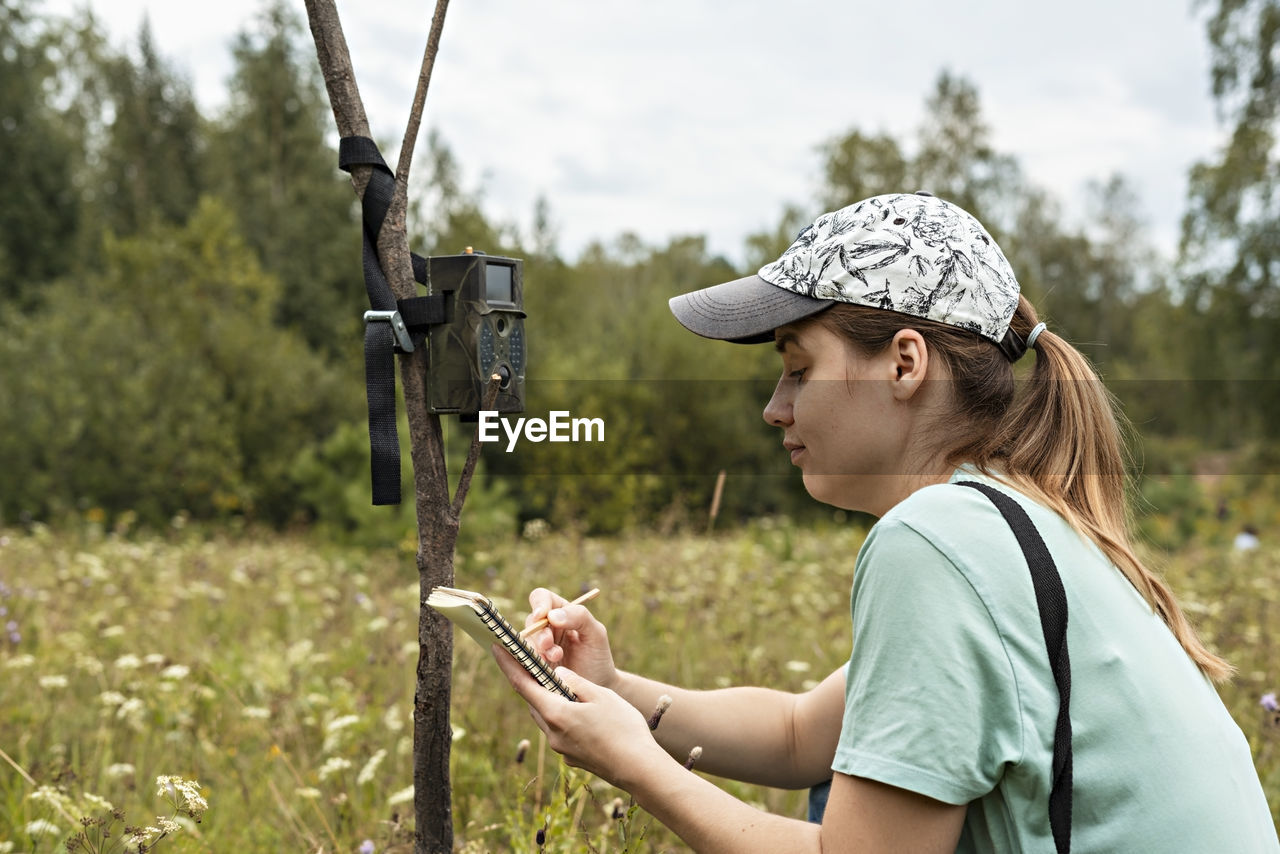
403, 342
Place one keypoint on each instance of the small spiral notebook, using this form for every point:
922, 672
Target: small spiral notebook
475, 614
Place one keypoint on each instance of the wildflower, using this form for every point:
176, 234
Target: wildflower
255, 713
377, 624
53, 797
98, 801
333, 765
797, 666
168, 825
173, 789
175, 671
308, 792
366, 847
153, 658
142, 835
111, 698
128, 662
88, 664
521, 749
1269, 702
456, 732
664, 703
341, 723
112, 632
53, 681
131, 712
403, 796
119, 770
371, 767
20, 661
41, 827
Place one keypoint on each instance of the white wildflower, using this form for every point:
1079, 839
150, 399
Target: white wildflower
98, 801
41, 827
51, 796
111, 698
143, 836
112, 632
53, 681
798, 666
174, 789
333, 765
119, 770
168, 825
128, 662
307, 792
335, 731
403, 796
155, 659
131, 711
88, 664
377, 624
391, 719
255, 713
20, 661
456, 732
371, 767
175, 671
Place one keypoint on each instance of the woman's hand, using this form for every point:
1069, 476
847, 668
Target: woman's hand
573, 638
601, 732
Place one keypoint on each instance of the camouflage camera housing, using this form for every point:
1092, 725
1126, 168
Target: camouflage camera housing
484, 302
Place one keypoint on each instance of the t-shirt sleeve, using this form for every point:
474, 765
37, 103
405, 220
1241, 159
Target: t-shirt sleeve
931, 701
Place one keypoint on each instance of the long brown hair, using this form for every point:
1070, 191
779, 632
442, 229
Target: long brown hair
1057, 439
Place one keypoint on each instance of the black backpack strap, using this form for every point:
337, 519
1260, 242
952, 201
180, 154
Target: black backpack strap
1051, 599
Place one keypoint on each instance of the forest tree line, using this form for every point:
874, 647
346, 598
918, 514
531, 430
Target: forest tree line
181, 294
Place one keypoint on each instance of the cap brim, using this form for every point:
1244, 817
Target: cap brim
745, 311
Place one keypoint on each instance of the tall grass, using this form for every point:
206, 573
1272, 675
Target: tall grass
279, 674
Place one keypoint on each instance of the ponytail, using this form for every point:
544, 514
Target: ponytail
1058, 438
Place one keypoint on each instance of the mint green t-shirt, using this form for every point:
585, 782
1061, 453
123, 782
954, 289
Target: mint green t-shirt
949, 691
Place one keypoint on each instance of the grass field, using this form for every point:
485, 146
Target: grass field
278, 673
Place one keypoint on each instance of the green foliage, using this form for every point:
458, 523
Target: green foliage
271, 164
149, 167
1229, 256
160, 384
39, 209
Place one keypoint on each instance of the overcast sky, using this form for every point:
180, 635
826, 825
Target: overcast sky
673, 117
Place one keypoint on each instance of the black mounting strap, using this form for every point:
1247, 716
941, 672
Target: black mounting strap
391, 325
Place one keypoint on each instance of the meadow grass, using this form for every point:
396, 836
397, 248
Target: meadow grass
278, 673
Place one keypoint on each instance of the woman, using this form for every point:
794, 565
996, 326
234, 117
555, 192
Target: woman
898, 320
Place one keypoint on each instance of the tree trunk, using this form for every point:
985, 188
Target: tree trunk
437, 517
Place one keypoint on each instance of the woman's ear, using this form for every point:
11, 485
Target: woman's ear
910, 359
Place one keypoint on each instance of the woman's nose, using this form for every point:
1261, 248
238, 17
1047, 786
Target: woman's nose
777, 412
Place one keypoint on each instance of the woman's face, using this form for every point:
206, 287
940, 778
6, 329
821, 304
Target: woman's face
840, 419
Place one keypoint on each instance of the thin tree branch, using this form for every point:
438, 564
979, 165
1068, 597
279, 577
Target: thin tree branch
420, 95
473, 453
339, 78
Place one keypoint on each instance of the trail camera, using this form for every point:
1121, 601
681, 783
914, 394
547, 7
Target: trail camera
483, 335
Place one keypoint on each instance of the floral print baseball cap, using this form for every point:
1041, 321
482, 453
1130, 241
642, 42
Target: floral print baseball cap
912, 253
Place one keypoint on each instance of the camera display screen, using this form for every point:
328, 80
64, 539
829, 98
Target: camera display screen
498, 283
